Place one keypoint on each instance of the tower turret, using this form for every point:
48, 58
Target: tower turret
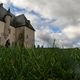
1, 4
7, 19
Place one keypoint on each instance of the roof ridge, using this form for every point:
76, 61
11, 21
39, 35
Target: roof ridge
20, 15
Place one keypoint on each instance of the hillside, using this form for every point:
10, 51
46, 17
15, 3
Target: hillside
39, 64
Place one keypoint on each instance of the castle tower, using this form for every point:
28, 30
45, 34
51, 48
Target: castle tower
7, 19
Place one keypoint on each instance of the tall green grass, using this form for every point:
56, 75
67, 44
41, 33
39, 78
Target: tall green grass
39, 64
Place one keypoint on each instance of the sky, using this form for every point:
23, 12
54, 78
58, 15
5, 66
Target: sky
52, 19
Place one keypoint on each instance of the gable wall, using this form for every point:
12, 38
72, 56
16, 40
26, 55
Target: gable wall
28, 37
18, 31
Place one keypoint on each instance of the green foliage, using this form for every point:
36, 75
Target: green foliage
39, 64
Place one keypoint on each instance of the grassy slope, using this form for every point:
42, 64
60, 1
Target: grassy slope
39, 64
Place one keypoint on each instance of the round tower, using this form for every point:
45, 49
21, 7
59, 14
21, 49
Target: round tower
1, 4
7, 19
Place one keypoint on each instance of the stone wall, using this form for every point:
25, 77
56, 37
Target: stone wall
12, 35
2, 33
29, 38
7, 26
19, 35
22, 35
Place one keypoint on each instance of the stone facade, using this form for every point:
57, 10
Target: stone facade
25, 36
2, 33
16, 29
28, 37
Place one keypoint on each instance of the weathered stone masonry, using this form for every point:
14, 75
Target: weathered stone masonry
17, 29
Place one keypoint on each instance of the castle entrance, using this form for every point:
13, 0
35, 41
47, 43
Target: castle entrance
7, 44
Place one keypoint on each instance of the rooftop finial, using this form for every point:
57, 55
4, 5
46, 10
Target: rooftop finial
1, 4
8, 10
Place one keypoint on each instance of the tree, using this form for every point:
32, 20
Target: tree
38, 46
42, 46
34, 46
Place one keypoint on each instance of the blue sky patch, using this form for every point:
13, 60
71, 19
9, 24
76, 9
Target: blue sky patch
56, 29
16, 9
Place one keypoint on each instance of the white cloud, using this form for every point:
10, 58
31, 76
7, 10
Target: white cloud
50, 8
72, 32
3, 1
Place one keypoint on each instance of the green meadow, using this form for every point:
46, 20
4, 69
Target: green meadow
39, 64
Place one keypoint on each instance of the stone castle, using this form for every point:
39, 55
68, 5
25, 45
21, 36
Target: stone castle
15, 29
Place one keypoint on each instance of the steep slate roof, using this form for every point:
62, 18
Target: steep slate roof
20, 20
16, 21
2, 12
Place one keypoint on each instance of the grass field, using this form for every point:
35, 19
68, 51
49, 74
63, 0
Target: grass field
39, 64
